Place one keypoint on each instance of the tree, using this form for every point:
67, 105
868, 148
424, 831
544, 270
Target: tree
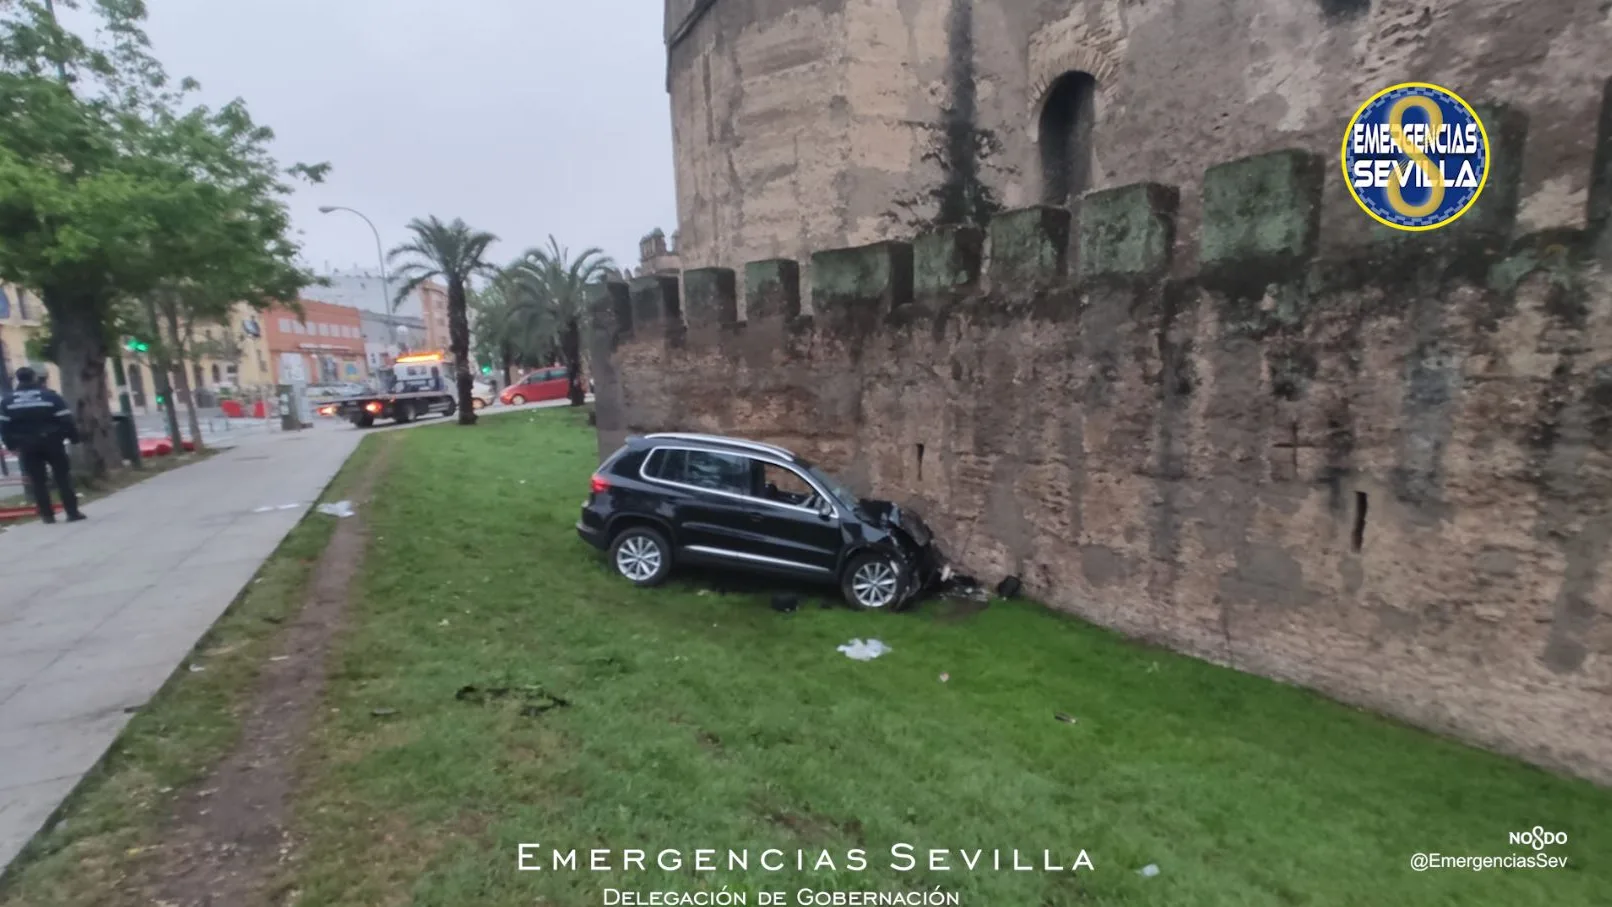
552, 278
109, 192
513, 324
456, 254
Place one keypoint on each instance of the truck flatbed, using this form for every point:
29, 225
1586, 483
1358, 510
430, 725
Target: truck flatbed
402, 407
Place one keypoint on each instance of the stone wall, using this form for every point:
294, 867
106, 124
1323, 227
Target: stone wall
1386, 476
801, 125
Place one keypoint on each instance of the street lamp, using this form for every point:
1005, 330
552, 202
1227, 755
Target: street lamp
386, 293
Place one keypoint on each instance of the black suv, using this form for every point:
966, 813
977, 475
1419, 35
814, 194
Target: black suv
702, 499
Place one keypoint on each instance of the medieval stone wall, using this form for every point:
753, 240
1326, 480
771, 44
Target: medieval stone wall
1385, 475
801, 125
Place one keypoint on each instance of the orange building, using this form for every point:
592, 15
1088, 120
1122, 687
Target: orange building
434, 310
323, 346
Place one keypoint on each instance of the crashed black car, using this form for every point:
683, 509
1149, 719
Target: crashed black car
666, 499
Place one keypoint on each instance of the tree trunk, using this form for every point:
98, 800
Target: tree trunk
162, 376
75, 325
459, 344
506, 356
571, 351
182, 370
190, 406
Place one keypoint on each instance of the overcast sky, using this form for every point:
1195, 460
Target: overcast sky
524, 117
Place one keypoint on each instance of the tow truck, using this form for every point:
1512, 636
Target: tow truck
414, 386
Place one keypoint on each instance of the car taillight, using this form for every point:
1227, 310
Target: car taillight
372, 407
599, 484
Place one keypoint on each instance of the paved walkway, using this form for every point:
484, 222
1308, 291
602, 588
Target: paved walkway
95, 616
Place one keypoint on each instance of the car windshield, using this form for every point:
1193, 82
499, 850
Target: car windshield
840, 493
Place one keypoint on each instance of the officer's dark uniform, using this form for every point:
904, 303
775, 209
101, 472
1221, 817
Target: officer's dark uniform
36, 423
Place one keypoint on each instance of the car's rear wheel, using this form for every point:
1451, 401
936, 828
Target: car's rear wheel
873, 582
517, 400
477, 403
642, 555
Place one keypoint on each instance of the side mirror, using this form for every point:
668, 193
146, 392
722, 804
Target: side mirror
825, 509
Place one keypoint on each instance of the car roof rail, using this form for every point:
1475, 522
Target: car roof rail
719, 439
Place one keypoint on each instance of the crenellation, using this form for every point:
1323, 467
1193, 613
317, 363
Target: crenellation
1262, 209
1598, 204
861, 285
655, 304
711, 298
1029, 246
1495, 211
772, 289
1128, 231
947, 260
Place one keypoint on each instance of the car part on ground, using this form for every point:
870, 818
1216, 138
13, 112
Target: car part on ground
666, 500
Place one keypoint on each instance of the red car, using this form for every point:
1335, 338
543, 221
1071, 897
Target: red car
543, 384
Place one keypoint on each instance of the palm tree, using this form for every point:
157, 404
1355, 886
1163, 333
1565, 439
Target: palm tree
513, 323
552, 279
456, 254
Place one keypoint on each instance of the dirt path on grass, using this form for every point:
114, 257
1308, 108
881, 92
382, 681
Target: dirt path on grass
229, 834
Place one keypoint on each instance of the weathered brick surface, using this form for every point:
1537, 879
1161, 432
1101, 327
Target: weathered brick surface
1186, 459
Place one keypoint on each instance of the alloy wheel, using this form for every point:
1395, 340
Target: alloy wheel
874, 584
638, 558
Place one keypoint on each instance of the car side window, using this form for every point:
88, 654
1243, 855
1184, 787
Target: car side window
785, 486
703, 469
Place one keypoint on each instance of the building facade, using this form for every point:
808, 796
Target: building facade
434, 312
388, 336
801, 125
365, 290
325, 345
20, 313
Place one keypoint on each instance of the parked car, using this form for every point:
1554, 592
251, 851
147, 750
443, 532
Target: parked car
667, 499
543, 384
481, 394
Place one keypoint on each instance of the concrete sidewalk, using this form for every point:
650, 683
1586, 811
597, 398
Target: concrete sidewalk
95, 616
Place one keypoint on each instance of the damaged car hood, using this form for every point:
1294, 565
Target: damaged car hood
889, 514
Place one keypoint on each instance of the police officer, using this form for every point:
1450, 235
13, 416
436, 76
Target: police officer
36, 424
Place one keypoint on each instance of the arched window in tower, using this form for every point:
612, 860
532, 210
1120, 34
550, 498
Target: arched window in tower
1066, 137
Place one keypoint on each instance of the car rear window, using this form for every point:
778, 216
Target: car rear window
701, 469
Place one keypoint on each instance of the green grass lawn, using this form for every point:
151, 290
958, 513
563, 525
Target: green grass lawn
707, 720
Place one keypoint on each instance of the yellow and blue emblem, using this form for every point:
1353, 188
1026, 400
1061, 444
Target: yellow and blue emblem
1415, 156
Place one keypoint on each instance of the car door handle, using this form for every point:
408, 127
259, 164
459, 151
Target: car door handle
755, 517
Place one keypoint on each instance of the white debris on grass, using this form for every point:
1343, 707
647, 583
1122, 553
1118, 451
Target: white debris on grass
1149, 871
338, 509
864, 650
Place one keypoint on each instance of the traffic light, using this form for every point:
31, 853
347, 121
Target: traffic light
162, 399
136, 346
486, 370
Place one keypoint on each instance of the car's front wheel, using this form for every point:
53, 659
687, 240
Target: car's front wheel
874, 582
642, 555
478, 403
